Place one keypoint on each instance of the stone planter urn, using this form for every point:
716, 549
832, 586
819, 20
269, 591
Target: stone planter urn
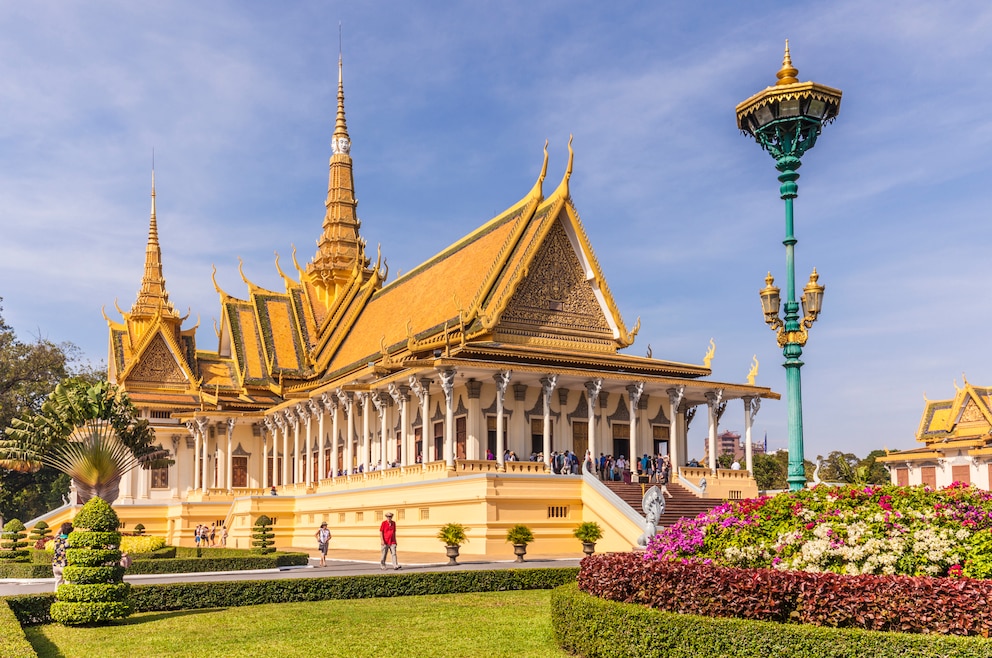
452, 553
520, 550
588, 547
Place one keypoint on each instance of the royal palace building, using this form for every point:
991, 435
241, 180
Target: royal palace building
348, 395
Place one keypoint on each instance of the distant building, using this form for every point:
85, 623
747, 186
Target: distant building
957, 438
730, 443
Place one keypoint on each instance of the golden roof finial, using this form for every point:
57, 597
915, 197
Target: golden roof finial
341, 142
787, 74
153, 295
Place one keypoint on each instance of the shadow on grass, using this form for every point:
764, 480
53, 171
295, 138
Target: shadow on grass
146, 617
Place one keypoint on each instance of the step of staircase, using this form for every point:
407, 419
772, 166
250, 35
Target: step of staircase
683, 502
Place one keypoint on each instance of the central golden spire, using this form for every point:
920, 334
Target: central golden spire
340, 249
153, 298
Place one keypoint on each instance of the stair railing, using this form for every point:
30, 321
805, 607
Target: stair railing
697, 490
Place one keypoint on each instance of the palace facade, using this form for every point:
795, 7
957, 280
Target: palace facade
957, 438
348, 395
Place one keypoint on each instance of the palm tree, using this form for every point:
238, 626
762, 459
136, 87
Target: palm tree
90, 432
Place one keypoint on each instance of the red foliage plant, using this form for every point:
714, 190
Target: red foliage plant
954, 606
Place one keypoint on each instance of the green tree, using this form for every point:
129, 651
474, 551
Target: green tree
29, 372
771, 470
89, 432
848, 468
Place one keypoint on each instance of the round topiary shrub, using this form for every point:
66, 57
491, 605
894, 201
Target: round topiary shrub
262, 536
139, 529
40, 534
93, 592
12, 543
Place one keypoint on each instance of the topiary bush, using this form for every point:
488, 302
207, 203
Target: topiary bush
262, 536
139, 529
93, 592
12, 543
40, 534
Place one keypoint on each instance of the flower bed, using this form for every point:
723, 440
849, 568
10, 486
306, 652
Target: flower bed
912, 531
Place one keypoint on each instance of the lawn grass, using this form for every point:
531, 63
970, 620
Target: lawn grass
513, 623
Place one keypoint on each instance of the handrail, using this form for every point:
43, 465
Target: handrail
622, 506
685, 482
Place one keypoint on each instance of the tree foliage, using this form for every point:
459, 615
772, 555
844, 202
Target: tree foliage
29, 372
90, 432
847, 468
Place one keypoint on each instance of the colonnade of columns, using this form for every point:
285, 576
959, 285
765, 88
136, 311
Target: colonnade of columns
307, 423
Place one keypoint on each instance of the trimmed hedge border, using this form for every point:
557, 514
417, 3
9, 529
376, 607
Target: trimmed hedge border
588, 626
33, 609
26, 570
13, 644
203, 564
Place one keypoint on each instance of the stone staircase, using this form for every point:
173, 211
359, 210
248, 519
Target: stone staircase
683, 503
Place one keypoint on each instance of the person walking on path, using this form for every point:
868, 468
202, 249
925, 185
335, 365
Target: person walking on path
59, 560
387, 537
323, 536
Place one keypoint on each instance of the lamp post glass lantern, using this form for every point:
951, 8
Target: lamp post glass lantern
786, 119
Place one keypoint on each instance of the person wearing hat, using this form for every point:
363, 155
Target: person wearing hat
387, 537
323, 536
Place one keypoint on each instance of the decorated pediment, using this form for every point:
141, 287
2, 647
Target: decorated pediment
556, 302
158, 364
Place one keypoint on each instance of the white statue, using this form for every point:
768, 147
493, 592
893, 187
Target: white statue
653, 505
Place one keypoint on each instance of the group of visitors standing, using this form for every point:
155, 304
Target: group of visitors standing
207, 536
387, 541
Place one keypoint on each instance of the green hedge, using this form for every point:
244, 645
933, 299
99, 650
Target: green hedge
25, 570
34, 608
588, 626
13, 644
197, 565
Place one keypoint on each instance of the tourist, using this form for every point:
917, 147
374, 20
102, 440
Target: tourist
387, 537
59, 560
323, 536
663, 477
736, 466
223, 536
213, 535
273, 490
197, 533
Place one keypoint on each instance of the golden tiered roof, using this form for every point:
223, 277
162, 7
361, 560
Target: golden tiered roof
524, 288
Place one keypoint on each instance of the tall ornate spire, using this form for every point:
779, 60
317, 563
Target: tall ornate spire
153, 297
787, 74
340, 247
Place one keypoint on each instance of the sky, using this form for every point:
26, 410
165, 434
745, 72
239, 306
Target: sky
449, 106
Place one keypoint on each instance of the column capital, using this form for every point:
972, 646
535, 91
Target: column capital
635, 390
447, 382
378, 403
675, 395
329, 402
593, 387
751, 405
418, 388
314, 407
292, 417
201, 424
399, 393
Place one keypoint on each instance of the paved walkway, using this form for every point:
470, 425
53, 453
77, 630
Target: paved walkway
339, 563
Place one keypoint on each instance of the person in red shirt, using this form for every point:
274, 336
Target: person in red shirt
387, 537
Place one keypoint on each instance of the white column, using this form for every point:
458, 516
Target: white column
593, 388
331, 404
363, 446
349, 445
230, 457
448, 386
714, 402
674, 446
401, 397
317, 409
284, 430
380, 409
306, 412
634, 390
202, 426
502, 379
751, 406
421, 389
548, 384
475, 428
296, 418
270, 427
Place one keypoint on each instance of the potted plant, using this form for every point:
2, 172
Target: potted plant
519, 535
452, 535
588, 532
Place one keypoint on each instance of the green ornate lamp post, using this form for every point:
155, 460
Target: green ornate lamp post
785, 120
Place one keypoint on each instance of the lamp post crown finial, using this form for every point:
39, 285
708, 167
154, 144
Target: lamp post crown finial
787, 74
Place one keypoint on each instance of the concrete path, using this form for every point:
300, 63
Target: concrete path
339, 563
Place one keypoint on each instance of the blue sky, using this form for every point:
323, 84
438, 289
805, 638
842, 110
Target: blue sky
449, 106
